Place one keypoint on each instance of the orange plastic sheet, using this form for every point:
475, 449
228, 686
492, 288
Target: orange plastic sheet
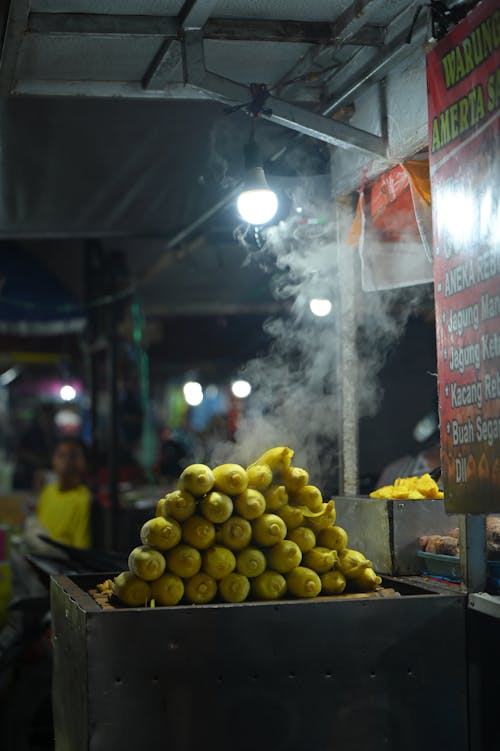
392, 228
390, 198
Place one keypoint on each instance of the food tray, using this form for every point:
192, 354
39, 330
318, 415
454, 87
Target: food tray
436, 564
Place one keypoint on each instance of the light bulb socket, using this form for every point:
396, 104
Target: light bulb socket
253, 158
255, 179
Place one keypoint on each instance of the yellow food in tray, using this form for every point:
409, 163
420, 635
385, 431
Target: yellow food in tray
409, 489
233, 533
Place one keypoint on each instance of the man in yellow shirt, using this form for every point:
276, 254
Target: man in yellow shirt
63, 507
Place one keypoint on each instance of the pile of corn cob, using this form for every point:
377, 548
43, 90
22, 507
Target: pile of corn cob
231, 533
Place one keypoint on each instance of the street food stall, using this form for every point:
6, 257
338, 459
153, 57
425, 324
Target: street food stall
165, 652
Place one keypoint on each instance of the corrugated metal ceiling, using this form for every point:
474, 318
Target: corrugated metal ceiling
105, 42
92, 165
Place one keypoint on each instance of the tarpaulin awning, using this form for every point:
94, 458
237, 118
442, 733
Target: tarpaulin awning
32, 301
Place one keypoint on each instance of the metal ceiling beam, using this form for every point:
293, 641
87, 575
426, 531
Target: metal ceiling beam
375, 67
15, 28
284, 113
219, 29
313, 32
97, 24
195, 13
165, 62
107, 89
347, 24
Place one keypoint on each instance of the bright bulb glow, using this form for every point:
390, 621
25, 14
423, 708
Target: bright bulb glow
320, 307
193, 393
257, 206
67, 393
241, 389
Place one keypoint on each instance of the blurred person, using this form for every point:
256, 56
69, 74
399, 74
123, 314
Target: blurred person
426, 459
63, 511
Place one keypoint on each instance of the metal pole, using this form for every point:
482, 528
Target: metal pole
348, 356
473, 561
113, 424
90, 364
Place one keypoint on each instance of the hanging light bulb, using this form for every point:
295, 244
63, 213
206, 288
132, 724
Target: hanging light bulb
241, 389
257, 203
67, 393
193, 393
320, 307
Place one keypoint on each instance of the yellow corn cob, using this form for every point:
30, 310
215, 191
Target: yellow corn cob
131, 590
303, 537
268, 529
180, 505
303, 582
231, 479
320, 559
198, 479
334, 538
251, 562
161, 533
269, 586
333, 583
168, 589
184, 561
236, 533
146, 563
198, 532
216, 507
250, 504
260, 476
276, 496
284, 556
278, 458
200, 589
295, 478
292, 516
234, 588
309, 496
218, 562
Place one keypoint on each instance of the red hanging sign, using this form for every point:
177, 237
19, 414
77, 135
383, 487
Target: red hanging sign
463, 78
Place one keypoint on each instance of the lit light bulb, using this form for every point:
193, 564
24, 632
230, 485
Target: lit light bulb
241, 389
67, 393
257, 206
320, 307
193, 393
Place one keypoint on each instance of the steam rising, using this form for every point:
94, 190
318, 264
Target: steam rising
296, 398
